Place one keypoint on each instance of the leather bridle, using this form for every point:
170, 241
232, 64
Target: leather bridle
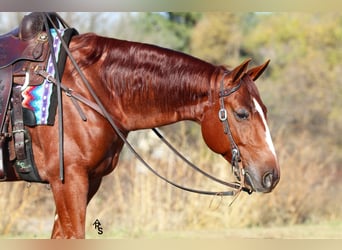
98, 106
238, 171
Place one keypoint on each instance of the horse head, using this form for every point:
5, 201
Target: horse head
235, 125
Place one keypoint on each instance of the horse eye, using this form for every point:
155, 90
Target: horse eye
242, 114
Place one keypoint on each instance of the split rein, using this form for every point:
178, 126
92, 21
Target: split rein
76, 97
98, 106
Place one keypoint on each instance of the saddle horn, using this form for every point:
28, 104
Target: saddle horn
31, 25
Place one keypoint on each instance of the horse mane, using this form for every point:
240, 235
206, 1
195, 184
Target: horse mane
141, 72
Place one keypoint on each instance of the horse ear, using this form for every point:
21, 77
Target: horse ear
239, 71
255, 72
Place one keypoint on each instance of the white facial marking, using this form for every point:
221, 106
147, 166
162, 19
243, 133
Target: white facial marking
56, 217
267, 131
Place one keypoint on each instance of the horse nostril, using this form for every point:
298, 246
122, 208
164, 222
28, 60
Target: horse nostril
267, 181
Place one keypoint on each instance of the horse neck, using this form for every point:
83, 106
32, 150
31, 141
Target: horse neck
168, 88
148, 86
163, 104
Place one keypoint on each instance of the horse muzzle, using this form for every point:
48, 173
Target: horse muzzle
264, 182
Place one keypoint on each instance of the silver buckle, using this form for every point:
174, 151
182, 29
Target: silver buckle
222, 114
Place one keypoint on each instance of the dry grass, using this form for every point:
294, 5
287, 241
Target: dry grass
302, 231
132, 200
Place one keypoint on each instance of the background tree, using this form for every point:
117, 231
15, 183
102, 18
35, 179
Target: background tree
171, 30
217, 38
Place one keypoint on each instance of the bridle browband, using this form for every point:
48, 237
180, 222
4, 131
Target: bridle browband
98, 106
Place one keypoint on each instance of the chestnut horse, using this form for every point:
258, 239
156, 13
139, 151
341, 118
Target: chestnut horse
145, 86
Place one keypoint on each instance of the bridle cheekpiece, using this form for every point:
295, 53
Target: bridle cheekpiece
238, 171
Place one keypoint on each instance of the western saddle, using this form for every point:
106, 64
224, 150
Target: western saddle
23, 51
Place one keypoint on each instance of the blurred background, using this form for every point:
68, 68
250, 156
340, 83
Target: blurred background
302, 89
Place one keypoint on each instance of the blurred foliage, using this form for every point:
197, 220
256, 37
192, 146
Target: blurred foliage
168, 29
302, 89
217, 38
304, 81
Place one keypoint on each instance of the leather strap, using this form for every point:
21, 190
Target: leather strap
102, 110
54, 20
223, 116
18, 131
229, 184
75, 96
18, 125
5, 91
237, 168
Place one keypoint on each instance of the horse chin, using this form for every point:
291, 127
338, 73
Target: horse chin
249, 182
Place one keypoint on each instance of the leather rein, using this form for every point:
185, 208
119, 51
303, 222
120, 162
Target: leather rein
98, 107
